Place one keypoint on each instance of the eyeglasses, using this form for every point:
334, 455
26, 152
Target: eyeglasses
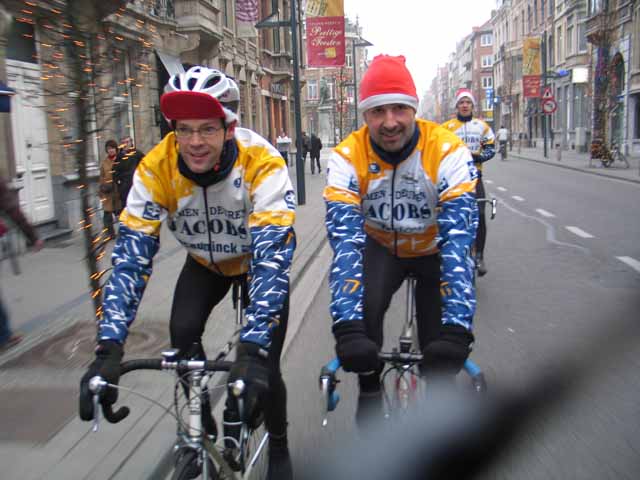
209, 131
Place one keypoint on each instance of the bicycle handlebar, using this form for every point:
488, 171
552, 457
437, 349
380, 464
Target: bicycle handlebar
97, 385
401, 357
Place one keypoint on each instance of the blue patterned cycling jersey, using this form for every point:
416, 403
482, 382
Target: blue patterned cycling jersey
241, 224
422, 206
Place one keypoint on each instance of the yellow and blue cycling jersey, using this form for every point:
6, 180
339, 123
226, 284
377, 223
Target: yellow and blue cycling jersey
477, 135
243, 223
423, 205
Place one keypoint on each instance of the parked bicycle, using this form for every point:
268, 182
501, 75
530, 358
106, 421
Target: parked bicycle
401, 380
202, 454
608, 156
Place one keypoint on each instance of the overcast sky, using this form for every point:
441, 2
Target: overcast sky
424, 31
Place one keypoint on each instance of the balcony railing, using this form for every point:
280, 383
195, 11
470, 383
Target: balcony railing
162, 9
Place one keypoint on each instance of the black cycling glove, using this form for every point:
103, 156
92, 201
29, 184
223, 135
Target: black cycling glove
106, 365
355, 350
252, 367
446, 354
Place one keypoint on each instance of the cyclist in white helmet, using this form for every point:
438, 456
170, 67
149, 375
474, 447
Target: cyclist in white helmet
225, 193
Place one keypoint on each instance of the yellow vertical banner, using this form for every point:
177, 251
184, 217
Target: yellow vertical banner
531, 67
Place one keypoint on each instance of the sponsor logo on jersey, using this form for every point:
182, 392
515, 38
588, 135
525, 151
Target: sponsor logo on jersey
410, 179
290, 199
353, 185
151, 211
237, 182
374, 168
443, 184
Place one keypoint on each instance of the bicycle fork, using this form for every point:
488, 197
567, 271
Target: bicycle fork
406, 339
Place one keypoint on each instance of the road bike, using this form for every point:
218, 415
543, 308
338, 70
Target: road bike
401, 379
608, 156
613, 155
9, 246
200, 453
503, 150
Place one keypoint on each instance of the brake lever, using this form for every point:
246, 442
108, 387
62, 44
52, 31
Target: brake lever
97, 385
328, 383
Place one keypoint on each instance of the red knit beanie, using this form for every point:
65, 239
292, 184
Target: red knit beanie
464, 93
387, 81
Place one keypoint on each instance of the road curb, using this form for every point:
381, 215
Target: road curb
577, 169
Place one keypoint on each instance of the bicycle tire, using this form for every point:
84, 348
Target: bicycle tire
256, 446
187, 467
621, 158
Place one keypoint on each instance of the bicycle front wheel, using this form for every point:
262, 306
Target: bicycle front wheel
189, 467
254, 454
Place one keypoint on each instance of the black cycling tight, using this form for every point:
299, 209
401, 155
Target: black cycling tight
197, 291
384, 273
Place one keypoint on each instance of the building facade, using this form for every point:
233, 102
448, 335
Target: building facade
131, 50
482, 71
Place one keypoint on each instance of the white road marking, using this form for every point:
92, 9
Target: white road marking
502, 189
511, 330
544, 213
518, 198
632, 262
579, 232
488, 181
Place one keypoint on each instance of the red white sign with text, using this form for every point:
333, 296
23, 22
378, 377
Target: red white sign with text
325, 41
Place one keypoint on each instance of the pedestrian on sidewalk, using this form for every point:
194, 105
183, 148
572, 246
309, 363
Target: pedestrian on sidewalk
227, 197
426, 173
125, 165
283, 144
314, 150
478, 136
109, 196
306, 146
10, 206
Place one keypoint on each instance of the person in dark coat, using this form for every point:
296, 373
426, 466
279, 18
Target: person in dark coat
125, 165
306, 146
10, 206
316, 146
109, 196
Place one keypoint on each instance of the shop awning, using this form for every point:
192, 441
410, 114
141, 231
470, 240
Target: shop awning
171, 63
6, 90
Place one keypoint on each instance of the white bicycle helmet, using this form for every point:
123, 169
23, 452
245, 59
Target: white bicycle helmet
200, 92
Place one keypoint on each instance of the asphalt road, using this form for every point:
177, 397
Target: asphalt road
555, 299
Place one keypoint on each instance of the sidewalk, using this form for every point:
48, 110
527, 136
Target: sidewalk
578, 161
41, 435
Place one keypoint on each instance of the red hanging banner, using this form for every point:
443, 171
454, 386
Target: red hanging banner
325, 33
325, 41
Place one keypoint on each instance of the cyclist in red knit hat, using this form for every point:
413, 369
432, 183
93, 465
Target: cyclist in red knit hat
400, 200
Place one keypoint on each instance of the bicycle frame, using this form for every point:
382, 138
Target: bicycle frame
191, 436
404, 362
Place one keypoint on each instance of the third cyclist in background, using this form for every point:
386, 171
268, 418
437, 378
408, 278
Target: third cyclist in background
480, 139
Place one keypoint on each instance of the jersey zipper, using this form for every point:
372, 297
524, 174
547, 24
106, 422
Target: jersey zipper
395, 234
206, 215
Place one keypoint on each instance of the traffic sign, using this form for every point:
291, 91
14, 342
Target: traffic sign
547, 93
549, 106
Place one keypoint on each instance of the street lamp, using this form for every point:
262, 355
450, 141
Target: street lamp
354, 44
292, 23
